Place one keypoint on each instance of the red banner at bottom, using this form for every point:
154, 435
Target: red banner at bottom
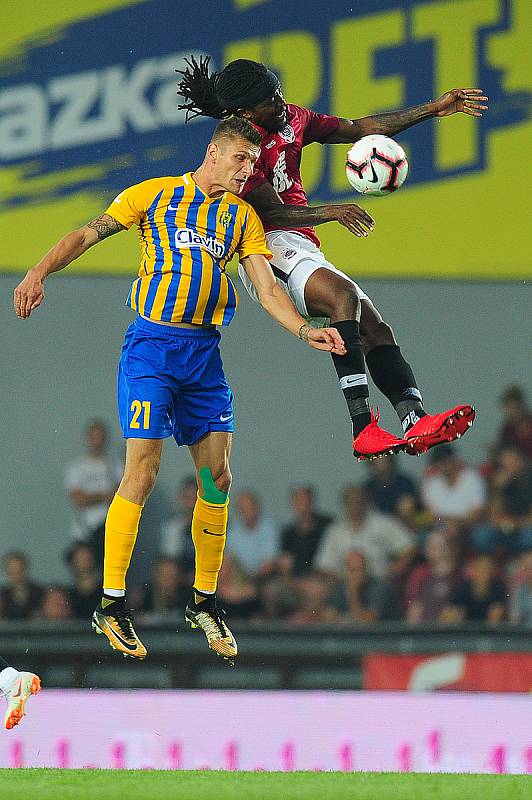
463, 672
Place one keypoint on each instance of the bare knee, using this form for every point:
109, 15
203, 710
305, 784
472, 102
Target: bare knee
346, 305
329, 294
139, 478
343, 304
381, 334
221, 477
223, 480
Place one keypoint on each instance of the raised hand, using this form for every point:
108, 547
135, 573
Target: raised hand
467, 101
354, 218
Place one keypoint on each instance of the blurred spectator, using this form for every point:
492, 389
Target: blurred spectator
516, 428
91, 482
415, 519
508, 528
384, 541
176, 532
481, 597
253, 540
313, 595
431, 587
451, 490
167, 593
521, 603
387, 486
55, 604
277, 592
301, 538
366, 599
86, 578
20, 598
236, 593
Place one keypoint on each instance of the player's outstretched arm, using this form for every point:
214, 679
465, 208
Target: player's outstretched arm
467, 101
272, 210
280, 307
29, 294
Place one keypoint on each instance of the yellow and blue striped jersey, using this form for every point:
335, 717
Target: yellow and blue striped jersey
186, 240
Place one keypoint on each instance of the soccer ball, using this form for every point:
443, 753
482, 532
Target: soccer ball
376, 165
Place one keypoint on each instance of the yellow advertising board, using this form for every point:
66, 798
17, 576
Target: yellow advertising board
88, 107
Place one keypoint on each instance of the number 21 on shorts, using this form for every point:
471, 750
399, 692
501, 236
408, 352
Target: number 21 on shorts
140, 408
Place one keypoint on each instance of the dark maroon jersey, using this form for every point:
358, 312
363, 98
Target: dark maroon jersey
279, 162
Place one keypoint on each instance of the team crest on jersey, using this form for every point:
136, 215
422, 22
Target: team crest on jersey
225, 218
287, 134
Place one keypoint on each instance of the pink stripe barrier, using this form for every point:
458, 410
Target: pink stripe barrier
286, 731
346, 758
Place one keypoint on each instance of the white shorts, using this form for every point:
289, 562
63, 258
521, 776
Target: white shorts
294, 260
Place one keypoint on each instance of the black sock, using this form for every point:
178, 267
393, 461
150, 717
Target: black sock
395, 379
352, 374
108, 600
3, 664
202, 599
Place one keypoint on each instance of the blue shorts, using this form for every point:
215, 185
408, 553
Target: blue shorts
171, 383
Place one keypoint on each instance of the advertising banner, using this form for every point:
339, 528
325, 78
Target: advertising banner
467, 672
343, 731
88, 107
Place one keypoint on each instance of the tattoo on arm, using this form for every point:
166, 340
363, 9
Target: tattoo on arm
105, 226
397, 121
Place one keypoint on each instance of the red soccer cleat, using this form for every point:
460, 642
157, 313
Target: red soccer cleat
374, 442
436, 429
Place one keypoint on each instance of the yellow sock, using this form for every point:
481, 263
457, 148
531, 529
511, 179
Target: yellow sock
209, 526
121, 528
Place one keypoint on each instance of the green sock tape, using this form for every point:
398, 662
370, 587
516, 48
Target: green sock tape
211, 493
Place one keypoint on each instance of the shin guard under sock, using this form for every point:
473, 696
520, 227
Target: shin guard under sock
209, 527
351, 372
393, 376
121, 528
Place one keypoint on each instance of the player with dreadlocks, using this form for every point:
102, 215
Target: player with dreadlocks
250, 90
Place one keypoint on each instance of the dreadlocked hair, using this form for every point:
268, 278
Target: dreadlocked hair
242, 84
198, 88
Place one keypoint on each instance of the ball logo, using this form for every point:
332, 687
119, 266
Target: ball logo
186, 238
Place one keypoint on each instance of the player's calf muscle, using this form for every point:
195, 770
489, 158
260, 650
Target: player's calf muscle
138, 480
375, 334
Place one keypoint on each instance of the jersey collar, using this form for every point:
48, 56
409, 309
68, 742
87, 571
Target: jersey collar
187, 177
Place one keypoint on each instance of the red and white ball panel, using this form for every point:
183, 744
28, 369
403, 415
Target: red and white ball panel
376, 165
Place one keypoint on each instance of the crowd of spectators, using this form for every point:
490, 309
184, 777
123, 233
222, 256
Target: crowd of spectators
452, 547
